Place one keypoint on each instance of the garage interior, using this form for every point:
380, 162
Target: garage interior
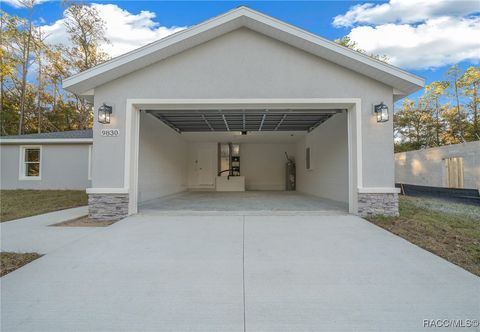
243, 160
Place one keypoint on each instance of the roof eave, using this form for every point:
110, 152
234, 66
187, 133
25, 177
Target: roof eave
19, 141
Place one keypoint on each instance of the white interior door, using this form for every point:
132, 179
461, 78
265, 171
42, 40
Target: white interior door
204, 166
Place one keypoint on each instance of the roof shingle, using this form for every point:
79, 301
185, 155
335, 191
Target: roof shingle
72, 134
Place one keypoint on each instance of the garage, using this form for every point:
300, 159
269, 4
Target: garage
248, 159
207, 115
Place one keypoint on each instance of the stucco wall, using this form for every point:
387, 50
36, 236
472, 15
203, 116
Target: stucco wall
162, 161
245, 64
263, 165
427, 167
329, 159
63, 166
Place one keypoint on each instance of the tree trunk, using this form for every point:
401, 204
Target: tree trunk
26, 55
459, 115
476, 127
39, 94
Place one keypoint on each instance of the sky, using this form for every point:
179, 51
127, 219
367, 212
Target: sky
424, 37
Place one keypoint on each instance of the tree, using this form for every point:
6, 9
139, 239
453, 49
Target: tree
453, 76
346, 41
433, 93
86, 30
411, 124
469, 82
25, 43
41, 104
454, 121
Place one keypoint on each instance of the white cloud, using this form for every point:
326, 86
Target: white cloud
19, 4
416, 34
405, 11
126, 31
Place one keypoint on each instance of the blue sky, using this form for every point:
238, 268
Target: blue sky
424, 37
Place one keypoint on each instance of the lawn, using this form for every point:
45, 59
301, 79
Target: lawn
10, 261
16, 204
449, 230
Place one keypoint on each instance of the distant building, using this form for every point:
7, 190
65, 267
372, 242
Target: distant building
450, 166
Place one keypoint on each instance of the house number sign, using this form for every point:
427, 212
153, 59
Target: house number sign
110, 132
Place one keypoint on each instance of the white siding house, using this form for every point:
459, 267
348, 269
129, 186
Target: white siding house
60, 160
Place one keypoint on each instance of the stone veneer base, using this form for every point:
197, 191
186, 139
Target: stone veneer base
110, 207
378, 204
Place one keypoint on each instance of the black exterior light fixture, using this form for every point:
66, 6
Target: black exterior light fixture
381, 110
104, 113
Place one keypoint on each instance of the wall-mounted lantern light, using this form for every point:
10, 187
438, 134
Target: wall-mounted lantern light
381, 110
104, 112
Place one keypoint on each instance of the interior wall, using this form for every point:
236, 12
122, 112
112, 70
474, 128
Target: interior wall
162, 161
328, 177
263, 165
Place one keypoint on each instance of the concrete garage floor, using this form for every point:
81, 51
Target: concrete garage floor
248, 202
237, 273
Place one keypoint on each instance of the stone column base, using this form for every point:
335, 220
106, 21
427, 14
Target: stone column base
378, 204
110, 207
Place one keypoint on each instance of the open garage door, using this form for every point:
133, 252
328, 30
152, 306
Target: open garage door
178, 149
244, 120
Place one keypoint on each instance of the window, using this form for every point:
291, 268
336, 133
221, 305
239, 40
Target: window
30, 162
454, 172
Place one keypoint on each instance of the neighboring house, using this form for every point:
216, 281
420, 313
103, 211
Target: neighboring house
59, 160
248, 79
449, 166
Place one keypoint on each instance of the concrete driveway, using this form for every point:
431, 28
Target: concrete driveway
237, 273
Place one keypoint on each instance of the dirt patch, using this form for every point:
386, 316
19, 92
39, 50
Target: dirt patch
83, 222
453, 236
10, 261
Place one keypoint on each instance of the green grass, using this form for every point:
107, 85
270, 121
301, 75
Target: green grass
16, 204
449, 230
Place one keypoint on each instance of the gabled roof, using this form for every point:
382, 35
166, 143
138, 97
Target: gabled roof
83, 83
72, 136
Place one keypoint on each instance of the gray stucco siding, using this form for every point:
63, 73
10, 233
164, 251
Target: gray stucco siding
245, 64
63, 166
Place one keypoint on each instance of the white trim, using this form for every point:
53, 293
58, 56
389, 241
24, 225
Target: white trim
355, 154
378, 190
90, 148
132, 120
248, 103
21, 165
45, 140
107, 190
241, 17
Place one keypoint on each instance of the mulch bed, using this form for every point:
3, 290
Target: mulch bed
84, 222
10, 261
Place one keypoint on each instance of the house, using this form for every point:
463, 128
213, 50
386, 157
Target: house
59, 160
173, 114
449, 166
